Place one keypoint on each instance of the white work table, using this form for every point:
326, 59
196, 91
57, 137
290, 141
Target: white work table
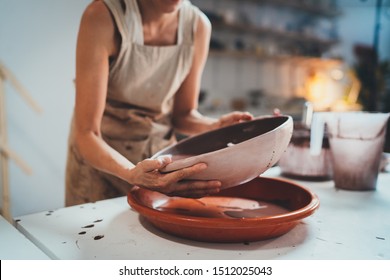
348, 225
15, 246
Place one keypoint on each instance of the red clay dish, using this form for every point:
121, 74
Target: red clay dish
260, 209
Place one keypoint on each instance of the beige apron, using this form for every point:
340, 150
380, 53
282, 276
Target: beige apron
137, 117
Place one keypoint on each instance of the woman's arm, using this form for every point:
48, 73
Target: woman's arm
96, 43
186, 117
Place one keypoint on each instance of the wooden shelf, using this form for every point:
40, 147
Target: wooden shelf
301, 38
300, 5
298, 38
281, 35
281, 58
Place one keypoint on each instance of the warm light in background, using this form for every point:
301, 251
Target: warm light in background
320, 90
337, 74
334, 89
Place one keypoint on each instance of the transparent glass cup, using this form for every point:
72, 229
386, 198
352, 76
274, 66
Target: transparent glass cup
356, 143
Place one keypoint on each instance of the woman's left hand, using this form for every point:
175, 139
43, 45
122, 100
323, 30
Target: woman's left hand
234, 117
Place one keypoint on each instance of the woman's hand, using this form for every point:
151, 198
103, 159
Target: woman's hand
233, 117
146, 174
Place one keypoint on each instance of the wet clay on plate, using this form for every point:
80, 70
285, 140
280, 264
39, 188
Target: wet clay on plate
221, 207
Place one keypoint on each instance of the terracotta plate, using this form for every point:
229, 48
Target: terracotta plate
259, 209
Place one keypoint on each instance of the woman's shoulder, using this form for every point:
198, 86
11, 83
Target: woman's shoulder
97, 26
97, 13
197, 16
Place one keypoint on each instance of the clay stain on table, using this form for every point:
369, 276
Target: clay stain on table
98, 237
49, 213
88, 226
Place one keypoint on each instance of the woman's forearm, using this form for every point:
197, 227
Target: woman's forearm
96, 152
194, 123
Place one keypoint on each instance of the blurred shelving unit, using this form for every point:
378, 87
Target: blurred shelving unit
265, 28
264, 51
321, 8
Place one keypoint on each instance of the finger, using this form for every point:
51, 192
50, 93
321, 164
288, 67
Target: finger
167, 182
236, 116
158, 163
181, 174
246, 116
164, 160
276, 112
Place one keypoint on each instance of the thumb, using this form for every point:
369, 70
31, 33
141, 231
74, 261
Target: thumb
158, 163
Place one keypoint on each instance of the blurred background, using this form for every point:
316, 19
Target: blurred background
267, 54
264, 54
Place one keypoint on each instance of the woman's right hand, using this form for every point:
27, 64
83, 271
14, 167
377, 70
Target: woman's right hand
146, 174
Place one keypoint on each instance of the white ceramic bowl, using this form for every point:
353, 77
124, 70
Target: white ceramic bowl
234, 154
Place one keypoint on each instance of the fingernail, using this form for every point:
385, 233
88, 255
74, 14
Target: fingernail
217, 183
202, 165
214, 191
164, 159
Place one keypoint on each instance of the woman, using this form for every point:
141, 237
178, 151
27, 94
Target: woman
138, 72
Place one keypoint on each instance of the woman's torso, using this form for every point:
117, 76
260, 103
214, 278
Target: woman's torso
143, 80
